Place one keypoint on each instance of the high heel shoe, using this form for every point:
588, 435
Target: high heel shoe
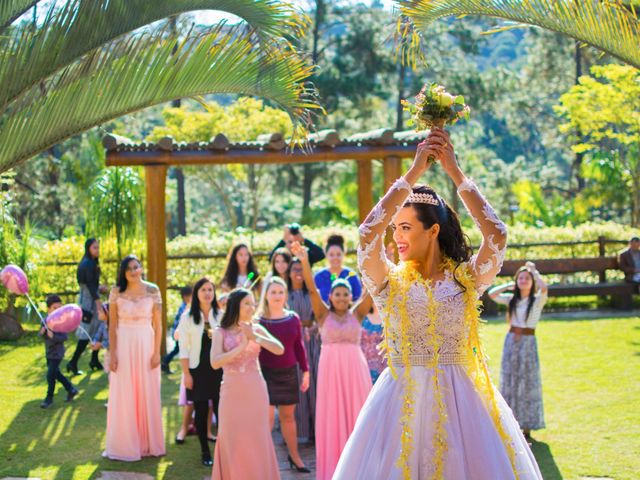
95, 365
206, 459
298, 469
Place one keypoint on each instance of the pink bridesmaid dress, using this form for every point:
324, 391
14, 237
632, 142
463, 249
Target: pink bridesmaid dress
244, 450
134, 413
344, 383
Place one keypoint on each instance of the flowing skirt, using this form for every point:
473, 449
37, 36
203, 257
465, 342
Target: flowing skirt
244, 450
343, 385
306, 409
134, 413
520, 382
475, 450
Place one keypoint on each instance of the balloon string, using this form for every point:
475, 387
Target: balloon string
33, 305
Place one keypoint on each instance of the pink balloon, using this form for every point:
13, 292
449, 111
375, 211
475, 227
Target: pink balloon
14, 279
65, 319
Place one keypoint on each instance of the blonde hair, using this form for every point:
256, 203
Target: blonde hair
264, 305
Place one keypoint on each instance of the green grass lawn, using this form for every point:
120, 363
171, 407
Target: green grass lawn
591, 382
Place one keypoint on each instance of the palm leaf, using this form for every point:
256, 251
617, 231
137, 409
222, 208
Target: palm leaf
609, 26
78, 27
149, 69
10, 10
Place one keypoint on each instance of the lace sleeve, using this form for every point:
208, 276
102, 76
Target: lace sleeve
486, 264
372, 261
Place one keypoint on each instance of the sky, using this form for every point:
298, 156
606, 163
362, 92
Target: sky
206, 17
210, 17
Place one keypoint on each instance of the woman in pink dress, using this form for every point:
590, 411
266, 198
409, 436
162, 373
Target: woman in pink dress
244, 449
134, 413
343, 375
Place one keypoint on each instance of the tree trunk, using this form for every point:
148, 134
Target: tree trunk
579, 157
226, 200
182, 209
307, 181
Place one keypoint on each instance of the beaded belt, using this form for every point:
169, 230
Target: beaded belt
425, 360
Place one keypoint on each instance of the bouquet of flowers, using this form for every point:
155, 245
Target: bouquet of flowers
435, 107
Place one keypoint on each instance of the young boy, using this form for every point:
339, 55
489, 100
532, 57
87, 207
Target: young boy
101, 338
185, 293
54, 345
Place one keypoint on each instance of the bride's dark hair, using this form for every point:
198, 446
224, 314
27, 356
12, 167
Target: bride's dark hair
451, 239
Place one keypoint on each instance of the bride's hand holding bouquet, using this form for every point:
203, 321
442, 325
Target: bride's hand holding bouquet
434, 108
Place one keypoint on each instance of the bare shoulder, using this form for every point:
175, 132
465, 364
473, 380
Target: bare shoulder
151, 288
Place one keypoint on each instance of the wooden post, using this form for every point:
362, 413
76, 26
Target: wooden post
155, 180
365, 193
602, 252
392, 170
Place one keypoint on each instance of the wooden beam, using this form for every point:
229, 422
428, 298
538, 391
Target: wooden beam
365, 184
155, 182
256, 156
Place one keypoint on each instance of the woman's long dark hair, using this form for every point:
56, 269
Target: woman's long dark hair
87, 253
517, 294
295, 260
230, 277
451, 239
195, 310
122, 271
231, 314
283, 252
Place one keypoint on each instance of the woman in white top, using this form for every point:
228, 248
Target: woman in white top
201, 381
520, 382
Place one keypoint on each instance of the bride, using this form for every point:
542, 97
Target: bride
434, 413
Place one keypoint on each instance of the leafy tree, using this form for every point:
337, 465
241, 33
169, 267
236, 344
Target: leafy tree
612, 27
241, 188
605, 111
85, 62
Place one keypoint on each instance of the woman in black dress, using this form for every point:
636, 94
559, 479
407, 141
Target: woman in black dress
201, 381
88, 276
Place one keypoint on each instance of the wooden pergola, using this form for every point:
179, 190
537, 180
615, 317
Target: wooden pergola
325, 146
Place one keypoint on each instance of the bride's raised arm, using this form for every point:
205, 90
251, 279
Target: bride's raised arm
372, 261
486, 264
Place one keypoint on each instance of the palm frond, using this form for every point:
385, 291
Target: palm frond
10, 10
609, 25
70, 31
148, 69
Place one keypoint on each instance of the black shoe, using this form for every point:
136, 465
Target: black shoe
73, 369
206, 459
95, 364
212, 438
179, 440
46, 403
72, 394
165, 368
298, 469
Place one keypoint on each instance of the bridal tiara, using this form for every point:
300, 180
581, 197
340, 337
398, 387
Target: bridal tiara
423, 198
